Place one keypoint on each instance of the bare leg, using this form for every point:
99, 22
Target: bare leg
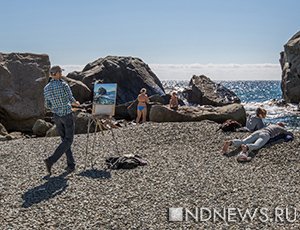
226, 147
139, 114
244, 154
144, 112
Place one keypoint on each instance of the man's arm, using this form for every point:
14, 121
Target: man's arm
48, 104
70, 96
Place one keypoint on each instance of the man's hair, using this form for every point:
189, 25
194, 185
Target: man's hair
55, 69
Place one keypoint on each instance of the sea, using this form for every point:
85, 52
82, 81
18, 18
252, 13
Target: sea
253, 94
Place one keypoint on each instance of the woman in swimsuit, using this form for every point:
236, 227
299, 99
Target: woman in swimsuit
142, 106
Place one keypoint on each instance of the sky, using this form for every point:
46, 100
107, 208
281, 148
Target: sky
226, 40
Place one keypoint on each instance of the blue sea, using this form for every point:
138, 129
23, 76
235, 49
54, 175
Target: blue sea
254, 94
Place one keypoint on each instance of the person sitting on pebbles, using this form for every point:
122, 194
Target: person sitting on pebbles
255, 122
255, 141
174, 101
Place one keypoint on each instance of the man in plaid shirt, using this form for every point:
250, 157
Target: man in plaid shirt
58, 97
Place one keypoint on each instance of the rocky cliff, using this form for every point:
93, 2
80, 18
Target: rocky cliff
22, 79
290, 65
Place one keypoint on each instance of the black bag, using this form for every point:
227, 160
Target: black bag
125, 162
230, 126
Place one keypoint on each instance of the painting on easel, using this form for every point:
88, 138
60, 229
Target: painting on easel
104, 100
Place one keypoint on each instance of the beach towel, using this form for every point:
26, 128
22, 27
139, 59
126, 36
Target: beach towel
281, 137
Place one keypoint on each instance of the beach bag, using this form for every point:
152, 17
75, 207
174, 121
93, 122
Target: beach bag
125, 162
230, 126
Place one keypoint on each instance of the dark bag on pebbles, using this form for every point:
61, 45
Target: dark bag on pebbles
125, 162
230, 126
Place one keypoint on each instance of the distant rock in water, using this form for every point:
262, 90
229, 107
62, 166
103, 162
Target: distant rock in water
131, 74
22, 80
290, 65
203, 91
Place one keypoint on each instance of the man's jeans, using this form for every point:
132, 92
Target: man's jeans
255, 141
65, 127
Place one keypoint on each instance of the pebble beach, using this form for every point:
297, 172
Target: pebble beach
185, 169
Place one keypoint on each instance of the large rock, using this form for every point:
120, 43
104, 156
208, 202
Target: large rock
131, 74
81, 125
3, 130
80, 91
290, 65
159, 113
204, 91
41, 127
52, 132
22, 79
123, 112
128, 110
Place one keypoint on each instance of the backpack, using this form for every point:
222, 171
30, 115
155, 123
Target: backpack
230, 126
125, 162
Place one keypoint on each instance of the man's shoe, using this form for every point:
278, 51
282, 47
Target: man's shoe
48, 166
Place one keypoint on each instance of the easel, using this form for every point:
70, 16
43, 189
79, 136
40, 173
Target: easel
96, 119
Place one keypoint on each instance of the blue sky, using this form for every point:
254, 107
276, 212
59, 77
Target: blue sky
161, 32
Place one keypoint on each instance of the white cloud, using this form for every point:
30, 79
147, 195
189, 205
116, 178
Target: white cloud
266, 71
71, 68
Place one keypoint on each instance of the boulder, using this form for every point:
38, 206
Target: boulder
81, 123
22, 80
80, 91
290, 65
3, 130
123, 112
131, 74
41, 127
52, 132
160, 113
203, 91
14, 136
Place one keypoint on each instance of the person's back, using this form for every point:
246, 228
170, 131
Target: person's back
275, 130
254, 123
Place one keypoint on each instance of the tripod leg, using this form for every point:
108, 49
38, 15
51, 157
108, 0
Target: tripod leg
93, 147
87, 143
114, 138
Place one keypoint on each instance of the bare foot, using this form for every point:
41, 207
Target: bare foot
225, 147
245, 148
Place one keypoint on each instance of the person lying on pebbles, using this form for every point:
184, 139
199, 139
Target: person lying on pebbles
255, 141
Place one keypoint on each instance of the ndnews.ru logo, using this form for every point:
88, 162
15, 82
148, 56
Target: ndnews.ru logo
231, 215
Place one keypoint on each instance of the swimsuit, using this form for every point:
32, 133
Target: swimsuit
141, 107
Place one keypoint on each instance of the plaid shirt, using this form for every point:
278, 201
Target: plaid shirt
58, 97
